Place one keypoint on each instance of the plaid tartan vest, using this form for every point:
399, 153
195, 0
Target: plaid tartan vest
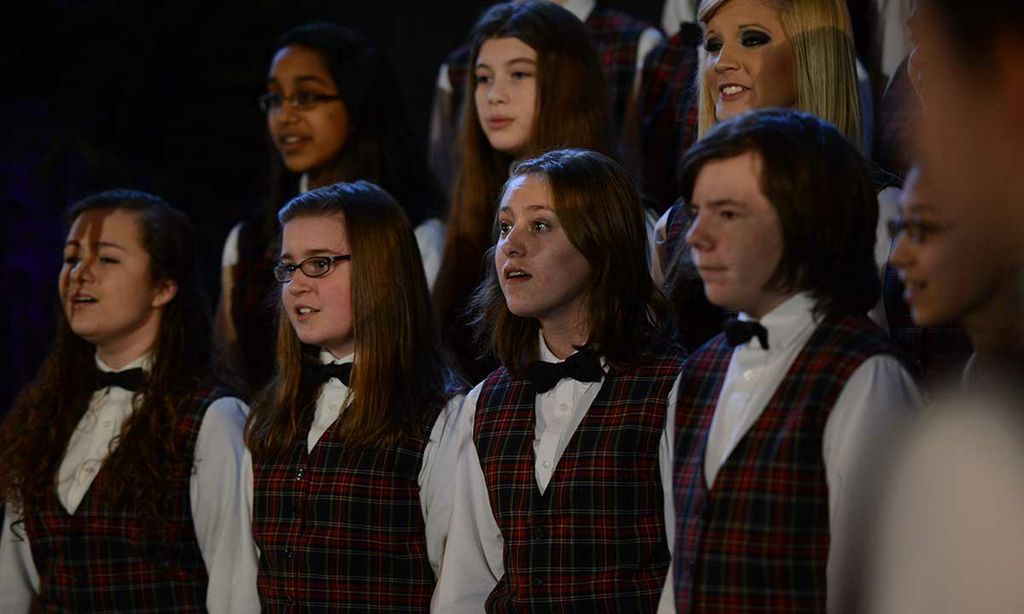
758, 540
595, 540
341, 529
668, 112
615, 35
103, 559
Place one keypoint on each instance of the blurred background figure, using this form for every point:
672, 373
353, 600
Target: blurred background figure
950, 536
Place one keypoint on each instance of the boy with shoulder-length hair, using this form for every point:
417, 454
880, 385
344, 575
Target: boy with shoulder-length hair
778, 414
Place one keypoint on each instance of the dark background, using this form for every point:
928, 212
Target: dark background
161, 96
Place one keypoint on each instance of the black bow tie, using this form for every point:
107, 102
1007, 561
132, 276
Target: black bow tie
319, 373
738, 332
129, 379
583, 366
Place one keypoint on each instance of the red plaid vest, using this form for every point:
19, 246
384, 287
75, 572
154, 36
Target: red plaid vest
595, 540
102, 558
758, 541
341, 529
615, 35
668, 112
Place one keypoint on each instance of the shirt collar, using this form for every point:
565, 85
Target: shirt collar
145, 362
546, 355
326, 358
580, 8
786, 322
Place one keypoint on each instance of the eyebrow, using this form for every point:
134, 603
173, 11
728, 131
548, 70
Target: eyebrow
77, 243
299, 79
530, 208
310, 253
510, 62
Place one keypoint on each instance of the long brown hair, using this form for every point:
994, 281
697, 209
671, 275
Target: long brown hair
599, 206
400, 371
35, 434
572, 111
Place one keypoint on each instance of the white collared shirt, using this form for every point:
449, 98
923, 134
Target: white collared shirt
473, 563
876, 401
436, 476
218, 513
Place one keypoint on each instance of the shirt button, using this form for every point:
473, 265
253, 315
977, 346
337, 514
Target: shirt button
287, 553
749, 374
106, 423
288, 600
301, 471
563, 407
538, 582
538, 532
546, 464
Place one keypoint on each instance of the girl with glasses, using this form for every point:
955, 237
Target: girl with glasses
334, 113
120, 464
351, 443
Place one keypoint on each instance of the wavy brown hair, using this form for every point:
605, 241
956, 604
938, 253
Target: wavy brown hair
400, 371
599, 207
35, 434
572, 111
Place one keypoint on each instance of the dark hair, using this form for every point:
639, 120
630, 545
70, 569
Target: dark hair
393, 324
572, 111
381, 147
826, 202
34, 436
599, 207
971, 26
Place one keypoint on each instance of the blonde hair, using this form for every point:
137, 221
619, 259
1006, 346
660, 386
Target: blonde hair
824, 62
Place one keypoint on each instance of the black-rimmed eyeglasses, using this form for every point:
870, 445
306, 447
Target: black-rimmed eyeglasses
272, 102
314, 266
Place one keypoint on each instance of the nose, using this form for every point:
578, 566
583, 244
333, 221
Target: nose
511, 245
299, 284
902, 254
497, 92
725, 59
285, 114
698, 236
82, 271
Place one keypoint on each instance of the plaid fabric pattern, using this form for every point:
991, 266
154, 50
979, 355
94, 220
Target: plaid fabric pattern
595, 540
668, 112
938, 353
615, 35
342, 529
102, 558
758, 541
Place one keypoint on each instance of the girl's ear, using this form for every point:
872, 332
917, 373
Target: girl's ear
165, 290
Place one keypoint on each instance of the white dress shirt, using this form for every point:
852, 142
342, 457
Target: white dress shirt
877, 399
218, 513
473, 562
436, 476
